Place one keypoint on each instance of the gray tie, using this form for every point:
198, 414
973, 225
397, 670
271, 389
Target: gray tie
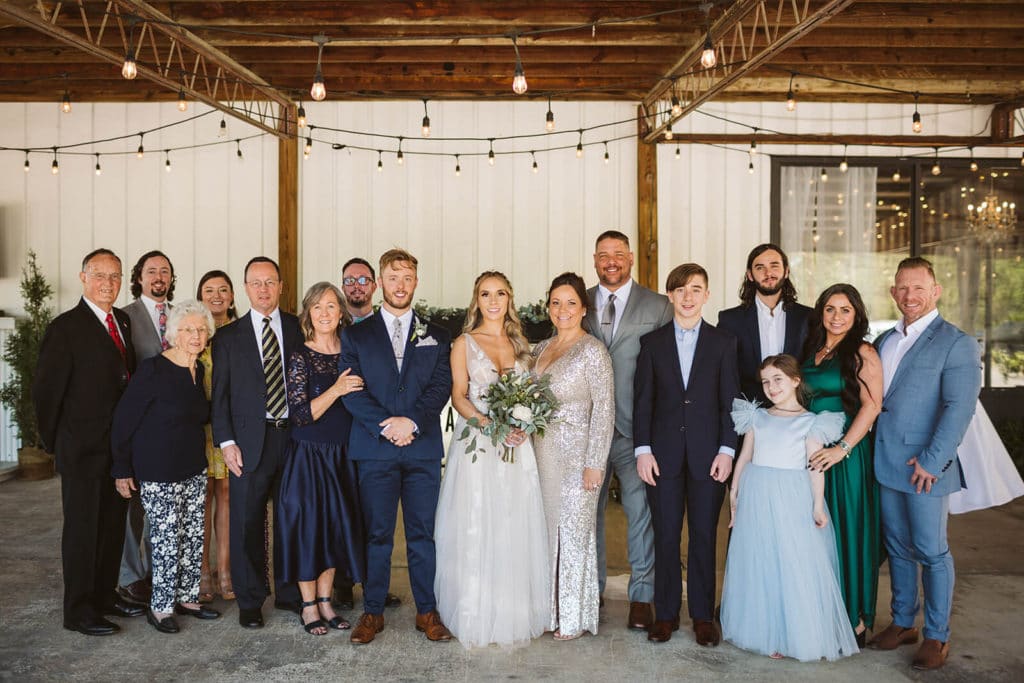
608, 320
398, 342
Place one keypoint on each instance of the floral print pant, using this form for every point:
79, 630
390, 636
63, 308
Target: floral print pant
176, 514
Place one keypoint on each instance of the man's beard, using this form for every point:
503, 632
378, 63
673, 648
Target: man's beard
770, 291
158, 291
365, 299
401, 307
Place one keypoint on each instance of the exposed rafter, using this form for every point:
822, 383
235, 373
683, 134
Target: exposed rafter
745, 36
166, 54
764, 139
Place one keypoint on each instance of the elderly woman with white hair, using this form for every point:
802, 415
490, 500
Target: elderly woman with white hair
159, 447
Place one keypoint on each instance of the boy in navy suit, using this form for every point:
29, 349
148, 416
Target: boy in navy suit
684, 442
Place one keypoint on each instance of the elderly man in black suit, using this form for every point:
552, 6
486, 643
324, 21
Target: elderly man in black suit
152, 285
85, 361
769, 321
250, 423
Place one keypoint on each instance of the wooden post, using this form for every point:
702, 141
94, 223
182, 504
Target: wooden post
647, 207
288, 211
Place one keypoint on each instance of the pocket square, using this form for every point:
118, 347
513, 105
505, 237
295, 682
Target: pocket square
426, 341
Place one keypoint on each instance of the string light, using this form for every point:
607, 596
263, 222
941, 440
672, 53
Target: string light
790, 96
519, 85
668, 131
708, 59
753, 146
318, 91
140, 152
534, 168
606, 157
129, 69
301, 118
65, 103
974, 164
401, 157
28, 166
99, 171
490, 153
824, 176
896, 176
579, 146
55, 166
222, 132
308, 149
844, 164
916, 118
182, 103
677, 108
936, 169
380, 162
458, 169
677, 151
549, 121
238, 149
750, 167
425, 129
167, 162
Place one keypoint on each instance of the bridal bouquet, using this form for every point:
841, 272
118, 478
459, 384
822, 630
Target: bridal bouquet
518, 400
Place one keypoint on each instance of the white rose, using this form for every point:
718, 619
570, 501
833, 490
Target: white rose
522, 413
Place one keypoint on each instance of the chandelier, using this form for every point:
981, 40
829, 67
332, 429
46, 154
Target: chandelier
992, 221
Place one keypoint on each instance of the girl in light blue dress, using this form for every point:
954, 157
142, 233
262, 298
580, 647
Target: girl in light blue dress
781, 595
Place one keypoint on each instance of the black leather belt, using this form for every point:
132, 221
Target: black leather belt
278, 424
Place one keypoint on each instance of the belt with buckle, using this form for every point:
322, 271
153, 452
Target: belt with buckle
281, 423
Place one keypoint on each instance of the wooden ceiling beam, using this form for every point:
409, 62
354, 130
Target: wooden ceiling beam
763, 139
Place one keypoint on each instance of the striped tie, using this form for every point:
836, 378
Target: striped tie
273, 371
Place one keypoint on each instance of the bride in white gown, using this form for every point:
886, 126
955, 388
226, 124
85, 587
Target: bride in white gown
492, 580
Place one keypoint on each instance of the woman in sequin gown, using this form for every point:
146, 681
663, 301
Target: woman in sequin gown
572, 455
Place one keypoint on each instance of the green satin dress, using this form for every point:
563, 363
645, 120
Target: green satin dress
851, 495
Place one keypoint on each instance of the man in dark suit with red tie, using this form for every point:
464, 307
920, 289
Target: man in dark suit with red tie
85, 361
686, 380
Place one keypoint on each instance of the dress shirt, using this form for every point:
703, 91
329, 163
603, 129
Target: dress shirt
102, 316
771, 327
621, 297
154, 314
389, 322
898, 343
275, 325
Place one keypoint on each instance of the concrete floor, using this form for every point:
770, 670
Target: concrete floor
988, 622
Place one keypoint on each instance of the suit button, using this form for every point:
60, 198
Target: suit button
682, 429
686, 402
401, 389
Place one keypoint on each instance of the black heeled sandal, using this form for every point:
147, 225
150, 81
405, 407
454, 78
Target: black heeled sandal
315, 624
337, 623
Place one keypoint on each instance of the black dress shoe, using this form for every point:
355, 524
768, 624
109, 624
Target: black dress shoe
93, 626
289, 605
120, 608
138, 592
392, 600
201, 613
250, 618
166, 625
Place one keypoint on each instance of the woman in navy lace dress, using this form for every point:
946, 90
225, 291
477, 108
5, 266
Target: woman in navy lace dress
319, 523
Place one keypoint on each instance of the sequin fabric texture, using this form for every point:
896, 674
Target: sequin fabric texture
579, 437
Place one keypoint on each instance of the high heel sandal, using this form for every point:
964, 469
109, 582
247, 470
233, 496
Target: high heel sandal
311, 626
206, 583
227, 591
337, 623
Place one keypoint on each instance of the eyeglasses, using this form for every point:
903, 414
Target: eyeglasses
362, 280
194, 331
108, 277
260, 284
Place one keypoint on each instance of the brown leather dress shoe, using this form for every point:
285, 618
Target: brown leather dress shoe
367, 628
931, 655
661, 631
706, 632
430, 623
641, 616
892, 637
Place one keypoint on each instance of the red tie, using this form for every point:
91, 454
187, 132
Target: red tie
112, 329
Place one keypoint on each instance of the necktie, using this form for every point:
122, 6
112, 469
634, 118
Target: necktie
273, 371
161, 323
398, 342
114, 335
608, 320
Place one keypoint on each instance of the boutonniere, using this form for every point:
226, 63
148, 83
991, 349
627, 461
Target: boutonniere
419, 330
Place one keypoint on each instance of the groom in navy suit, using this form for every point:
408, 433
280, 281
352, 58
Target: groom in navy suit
396, 439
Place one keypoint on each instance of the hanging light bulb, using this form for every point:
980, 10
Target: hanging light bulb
708, 59
28, 166
65, 103
222, 132
167, 160
916, 118
753, 147
844, 165
579, 146
140, 152
380, 162
129, 69
301, 118
400, 158
99, 171
1022, 158
238, 149
824, 176
308, 149
549, 120
790, 96
668, 131
519, 76
677, 151
606, 157
318, 91
936, 169
182, 102
490, 153
896, 176
458, 169
425, 128
55, 167
750, 167
535, 169
677, 108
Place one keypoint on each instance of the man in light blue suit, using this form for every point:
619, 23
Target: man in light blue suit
932, 376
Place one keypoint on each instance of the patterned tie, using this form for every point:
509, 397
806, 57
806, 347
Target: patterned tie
161, 323
608, 320
273, 371
398, 342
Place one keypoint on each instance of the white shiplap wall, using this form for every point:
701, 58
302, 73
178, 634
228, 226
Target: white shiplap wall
213, 211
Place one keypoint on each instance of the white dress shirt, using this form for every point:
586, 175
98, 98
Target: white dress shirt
621, 297
389, 322
771, 328
102, 315
898, 343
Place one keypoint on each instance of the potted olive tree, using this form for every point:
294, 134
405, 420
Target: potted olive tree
21, 353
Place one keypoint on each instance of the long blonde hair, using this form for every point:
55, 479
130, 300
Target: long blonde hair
512, 326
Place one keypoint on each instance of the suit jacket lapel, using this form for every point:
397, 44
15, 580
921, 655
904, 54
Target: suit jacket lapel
632, 306
671, 351
908, 358
590, 321
754, 332
250, 348
700, 352
97, 328
792, 334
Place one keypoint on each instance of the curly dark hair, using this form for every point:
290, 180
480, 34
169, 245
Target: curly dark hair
848, 349
748, 288
136, 278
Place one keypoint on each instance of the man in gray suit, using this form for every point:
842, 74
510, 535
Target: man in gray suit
624, 311
931, 374
152, 282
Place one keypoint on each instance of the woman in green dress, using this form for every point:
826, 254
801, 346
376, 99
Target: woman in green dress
844, 373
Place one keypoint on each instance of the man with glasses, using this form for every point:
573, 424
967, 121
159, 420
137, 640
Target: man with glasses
250, 424
152, 284
85, 360
358, 283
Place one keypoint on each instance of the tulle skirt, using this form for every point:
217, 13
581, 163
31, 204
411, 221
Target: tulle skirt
781, 591
492, 551
990, 476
